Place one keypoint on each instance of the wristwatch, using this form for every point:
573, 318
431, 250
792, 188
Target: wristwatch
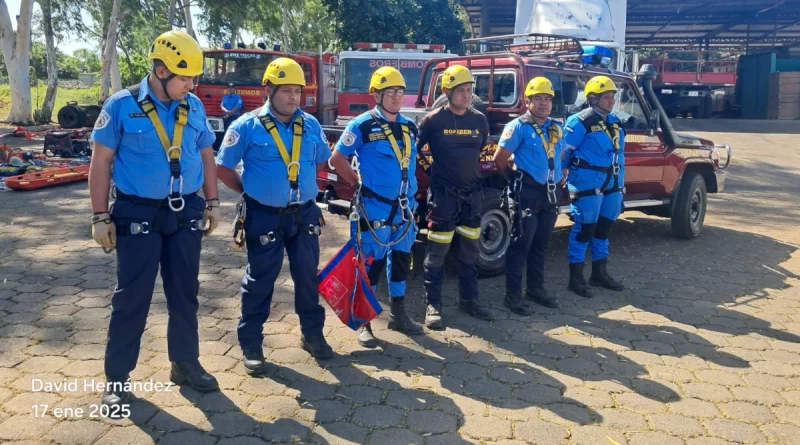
104, 216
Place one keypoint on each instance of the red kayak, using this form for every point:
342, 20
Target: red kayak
48, 177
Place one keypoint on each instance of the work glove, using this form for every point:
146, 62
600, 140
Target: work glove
211, 216
104, 232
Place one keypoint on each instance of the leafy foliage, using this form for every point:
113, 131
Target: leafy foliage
42, 116
399, 21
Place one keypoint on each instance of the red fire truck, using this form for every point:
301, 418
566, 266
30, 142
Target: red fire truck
244, 67
357, 65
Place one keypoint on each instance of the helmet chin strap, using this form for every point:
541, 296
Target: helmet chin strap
380, 105
164, 83
595, 103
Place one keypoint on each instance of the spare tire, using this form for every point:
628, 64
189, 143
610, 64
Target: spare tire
92, 112
71, 116
477, 104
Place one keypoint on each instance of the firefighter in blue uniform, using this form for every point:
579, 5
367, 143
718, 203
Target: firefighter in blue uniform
281, 148
596, 162
231, 106
156, 137
537, 144
384, 142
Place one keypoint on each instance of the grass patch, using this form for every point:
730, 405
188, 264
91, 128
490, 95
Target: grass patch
63, 95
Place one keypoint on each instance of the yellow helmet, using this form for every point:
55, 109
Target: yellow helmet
455, 76
386, 77
179, 51
284, 71
599, 85
539, 85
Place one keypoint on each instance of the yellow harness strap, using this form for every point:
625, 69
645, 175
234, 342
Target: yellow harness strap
402, 157
172, 149
293, 164
615, 137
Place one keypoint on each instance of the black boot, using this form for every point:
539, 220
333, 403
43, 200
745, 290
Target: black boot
516, 304
193, 374
433, 316
577, 283
399, 321
475, 308
116, 395
366, 338
254, 363
539, 295
600, 276
317, 346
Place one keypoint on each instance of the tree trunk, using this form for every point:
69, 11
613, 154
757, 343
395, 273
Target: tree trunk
16, 48
116, 77
110, 49
285, 27
187, 17
171, 12
52, 68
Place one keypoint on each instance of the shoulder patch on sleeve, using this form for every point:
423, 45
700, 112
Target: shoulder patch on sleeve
348, 138
102, 120
231, 138
507, 132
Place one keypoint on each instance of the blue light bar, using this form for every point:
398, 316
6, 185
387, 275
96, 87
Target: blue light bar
226, 45
597, 55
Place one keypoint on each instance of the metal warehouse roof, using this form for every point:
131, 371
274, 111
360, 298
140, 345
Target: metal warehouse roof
740, 24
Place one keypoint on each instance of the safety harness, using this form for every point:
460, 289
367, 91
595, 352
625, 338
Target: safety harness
589, 122
171, 148
296, 205
516, 178
401, 202
293, 163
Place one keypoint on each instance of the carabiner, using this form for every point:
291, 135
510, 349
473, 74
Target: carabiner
171, 149
171, 199
294, 197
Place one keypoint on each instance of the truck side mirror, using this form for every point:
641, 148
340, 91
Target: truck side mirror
653, 124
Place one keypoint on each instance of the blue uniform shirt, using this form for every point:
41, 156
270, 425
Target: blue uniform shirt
380, 169
140, 165
231, 101
596, 148
264, 174
524, 142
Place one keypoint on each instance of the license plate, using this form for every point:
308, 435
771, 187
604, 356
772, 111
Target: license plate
666, 91
333, 177
694, 93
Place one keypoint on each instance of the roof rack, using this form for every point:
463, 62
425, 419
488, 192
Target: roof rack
535, 44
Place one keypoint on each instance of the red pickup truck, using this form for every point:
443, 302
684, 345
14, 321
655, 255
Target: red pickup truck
667, 173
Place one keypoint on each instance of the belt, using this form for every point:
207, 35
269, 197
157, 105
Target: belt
149, 201
288, 210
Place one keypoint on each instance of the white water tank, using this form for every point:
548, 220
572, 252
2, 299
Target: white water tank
595, 20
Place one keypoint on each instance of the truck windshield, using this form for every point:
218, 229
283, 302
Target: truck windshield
239, 68
356, 73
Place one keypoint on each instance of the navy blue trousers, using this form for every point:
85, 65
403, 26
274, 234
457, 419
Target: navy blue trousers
292, 233
177, 250
529, 251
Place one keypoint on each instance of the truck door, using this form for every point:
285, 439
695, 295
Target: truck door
644, 154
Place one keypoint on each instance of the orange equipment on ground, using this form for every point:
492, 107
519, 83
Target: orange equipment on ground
48, 177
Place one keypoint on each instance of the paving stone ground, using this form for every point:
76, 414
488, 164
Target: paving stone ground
702, 348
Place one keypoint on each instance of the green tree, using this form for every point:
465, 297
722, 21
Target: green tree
399, 21
88, 60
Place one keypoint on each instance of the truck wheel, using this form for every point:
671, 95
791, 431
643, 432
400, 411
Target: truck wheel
495, 237
495, 234
690, 207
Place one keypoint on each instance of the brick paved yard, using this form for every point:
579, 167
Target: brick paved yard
702, 348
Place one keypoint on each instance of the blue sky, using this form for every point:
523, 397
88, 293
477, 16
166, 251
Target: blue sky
69, 46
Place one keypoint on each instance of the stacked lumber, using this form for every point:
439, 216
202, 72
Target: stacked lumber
784, 96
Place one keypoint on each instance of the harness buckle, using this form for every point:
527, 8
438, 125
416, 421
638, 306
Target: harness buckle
172, 199
404, 186
314, 230
615, 169
200, 224
294, 197
266, 239
525, 212
137, 228
551, 192
171, 149
378, 224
